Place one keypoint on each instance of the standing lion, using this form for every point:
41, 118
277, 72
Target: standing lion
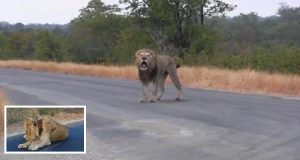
155, 68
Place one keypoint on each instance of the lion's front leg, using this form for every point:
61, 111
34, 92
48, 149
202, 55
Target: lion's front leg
35, 146
145, 94
155, 91
44, 141
38, 145
24, 145
160, 86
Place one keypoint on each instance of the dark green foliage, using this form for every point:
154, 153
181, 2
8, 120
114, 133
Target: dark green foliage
51, 47
129, 41
35, 44
171, 23
94, 34
279, 59
195, 32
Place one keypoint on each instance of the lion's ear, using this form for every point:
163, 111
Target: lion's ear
153, 54
137, 54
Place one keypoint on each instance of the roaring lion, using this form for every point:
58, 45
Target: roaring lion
41, 132
155, 68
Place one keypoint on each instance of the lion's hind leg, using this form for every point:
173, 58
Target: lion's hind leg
59, 133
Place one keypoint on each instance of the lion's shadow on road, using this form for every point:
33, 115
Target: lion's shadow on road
173, 101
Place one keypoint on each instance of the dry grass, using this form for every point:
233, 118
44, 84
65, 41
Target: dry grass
15, 115
61, 117
241, 81
127, 72
237, 81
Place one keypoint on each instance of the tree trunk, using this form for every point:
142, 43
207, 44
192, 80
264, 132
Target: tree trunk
202, 16
202, 12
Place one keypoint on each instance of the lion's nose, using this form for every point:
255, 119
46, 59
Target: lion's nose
143, 58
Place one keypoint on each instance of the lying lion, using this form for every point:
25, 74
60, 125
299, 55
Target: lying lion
155, 68
41, 132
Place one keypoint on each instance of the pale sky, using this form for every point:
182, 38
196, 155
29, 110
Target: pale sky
264, 8
62, 11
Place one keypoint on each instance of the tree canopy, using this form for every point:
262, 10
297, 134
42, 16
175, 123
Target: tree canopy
169, 23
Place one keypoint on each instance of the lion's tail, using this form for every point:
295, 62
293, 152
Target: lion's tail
177, 65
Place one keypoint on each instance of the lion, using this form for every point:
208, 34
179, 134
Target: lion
31, 132
41, 132
153, 68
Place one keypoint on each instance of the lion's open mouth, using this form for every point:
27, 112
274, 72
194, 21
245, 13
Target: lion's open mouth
144, 65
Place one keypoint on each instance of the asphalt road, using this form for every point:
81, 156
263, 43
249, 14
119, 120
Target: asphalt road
206, 125
74, 143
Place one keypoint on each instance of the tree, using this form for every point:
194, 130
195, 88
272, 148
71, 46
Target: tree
129, 41
19, 26
288, 30
288, 13
211, 8
97, 8
95, 32
48, 46
167, 21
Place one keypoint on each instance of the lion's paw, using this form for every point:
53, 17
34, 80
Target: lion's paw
33, 147
21, 146
153, 100
144, 101
177, 98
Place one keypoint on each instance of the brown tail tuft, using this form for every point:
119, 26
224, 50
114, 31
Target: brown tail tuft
177, 65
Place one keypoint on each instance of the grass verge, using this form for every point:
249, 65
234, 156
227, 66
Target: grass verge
15, 115
238, 81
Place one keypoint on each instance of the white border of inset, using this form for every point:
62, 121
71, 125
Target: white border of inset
44, 106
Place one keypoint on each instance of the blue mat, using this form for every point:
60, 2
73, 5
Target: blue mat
74, 143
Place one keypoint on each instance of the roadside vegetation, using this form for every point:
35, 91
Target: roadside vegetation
246, 53
245, 80
107, 34
15, 115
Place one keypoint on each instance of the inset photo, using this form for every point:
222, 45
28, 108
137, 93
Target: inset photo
45, 130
